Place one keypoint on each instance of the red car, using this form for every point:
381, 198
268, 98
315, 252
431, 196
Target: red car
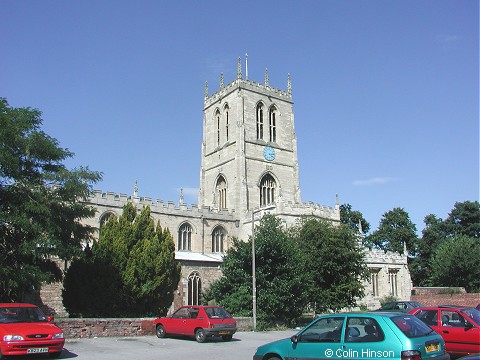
459, 327
199, 321
24, 329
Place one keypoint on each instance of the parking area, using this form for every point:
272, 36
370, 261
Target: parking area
241, 347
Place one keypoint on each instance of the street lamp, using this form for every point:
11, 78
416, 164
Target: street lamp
254, 278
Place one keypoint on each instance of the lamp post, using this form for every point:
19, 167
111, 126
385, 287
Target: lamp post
254, 278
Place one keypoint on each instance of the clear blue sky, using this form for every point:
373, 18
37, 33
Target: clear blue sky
386, 92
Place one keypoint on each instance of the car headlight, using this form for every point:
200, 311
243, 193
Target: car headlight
12, 338
58, 336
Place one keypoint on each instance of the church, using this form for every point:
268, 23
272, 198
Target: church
249, 167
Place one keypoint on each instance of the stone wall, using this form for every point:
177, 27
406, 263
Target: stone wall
90, 328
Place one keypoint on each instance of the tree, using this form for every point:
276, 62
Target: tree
41, 204
464, 219
281, 277
395, 232
134, 262
455, 263
354, 219
334, 263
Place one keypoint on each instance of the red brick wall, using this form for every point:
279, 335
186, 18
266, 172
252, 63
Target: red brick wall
467, 300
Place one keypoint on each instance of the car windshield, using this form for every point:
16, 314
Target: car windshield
472, 313
217, 312
13, 314
411, 326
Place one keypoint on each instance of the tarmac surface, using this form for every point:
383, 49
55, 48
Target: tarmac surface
241, 347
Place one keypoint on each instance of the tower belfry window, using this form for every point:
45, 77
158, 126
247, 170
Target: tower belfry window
272, 125
267, 190
259, 121
217, 117
221, 190
226, 122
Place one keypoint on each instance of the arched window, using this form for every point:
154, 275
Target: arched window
218, 237
185, 238
217, 119
104, 218
267, 190
260, 121
194, 288
221, 191
226, 109
272, 126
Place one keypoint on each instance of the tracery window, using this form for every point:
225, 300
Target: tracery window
221, 190
217, 118
392, 279
194, 288
267, 190
374, 280
185, 238
226, 121
218, 237
260, 121
272, 126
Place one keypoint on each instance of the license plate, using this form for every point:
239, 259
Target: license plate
432, 347
37, 350
224, 332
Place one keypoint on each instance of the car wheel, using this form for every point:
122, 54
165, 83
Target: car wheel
200, 335
54, 355
160, 331
227, 337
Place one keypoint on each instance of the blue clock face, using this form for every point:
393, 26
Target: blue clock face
269, 153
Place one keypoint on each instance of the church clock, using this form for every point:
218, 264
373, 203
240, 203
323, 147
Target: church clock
269, 153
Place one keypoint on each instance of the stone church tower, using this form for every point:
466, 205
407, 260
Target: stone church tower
249, 153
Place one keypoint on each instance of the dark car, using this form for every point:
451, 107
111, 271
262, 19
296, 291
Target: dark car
25, 330
366, 336
459, 326
403, 306
198, 321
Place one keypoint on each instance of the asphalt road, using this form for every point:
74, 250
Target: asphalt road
241, 347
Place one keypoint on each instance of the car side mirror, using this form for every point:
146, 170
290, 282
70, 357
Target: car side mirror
468, 325
294, 339
50, 318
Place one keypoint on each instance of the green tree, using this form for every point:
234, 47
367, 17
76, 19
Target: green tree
455, 263
334, 262
395, 231
281, 278
354, 219
139, 261
42, 204
464, 219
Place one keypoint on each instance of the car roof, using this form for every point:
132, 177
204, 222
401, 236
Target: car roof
16, 305
389, 314
444, 307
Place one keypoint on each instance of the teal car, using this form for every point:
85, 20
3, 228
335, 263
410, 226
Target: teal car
365, 336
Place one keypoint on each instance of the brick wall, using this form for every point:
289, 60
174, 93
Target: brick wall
89, 328
467, 300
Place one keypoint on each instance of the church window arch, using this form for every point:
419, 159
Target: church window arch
194, 288
218, 238
227, 122
217, 120
259, 118
272, 124
105, 217
268, 186
184, 237
221, 192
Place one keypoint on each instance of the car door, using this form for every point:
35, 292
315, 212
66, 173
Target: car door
365, 339
459, 332
320, 340
176, 324
192, 321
